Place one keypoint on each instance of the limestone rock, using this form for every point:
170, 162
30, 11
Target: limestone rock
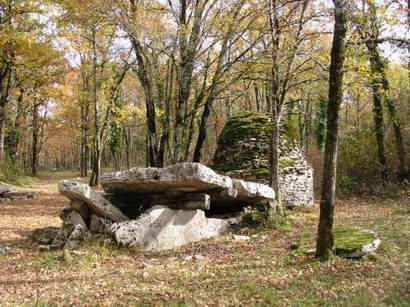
159, 186
9, 193
98, 225
185, 201
79, 234
44, 236
355, 243
76, 219
162, 228
93, 199
243, 153
253, 191
182, 177
241, 238
81, 208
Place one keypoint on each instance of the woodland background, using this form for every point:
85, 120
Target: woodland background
91, 85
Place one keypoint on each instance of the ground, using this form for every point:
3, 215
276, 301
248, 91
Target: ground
269, 269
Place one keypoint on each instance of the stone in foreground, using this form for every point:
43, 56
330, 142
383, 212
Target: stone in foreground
76, 191
355, 243
162, 228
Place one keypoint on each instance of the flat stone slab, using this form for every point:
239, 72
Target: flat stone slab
162, 228
182, 177
186, 177
76, 191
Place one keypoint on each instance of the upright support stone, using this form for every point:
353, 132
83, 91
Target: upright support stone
93, 199
81, 208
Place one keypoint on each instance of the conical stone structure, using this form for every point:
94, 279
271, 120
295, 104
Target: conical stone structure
243, 153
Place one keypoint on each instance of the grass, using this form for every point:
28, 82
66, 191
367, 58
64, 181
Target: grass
265, 270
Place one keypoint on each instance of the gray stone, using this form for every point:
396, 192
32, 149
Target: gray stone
182, 177
76, 219
241, 238
93, 199
78, 235
81, 208
366, 249
4, 249
19, 194
98, 225
185, 201
253, 191
162, 228
44, 236
243, 153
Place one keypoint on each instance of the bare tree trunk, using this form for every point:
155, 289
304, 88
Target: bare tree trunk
408, 69
5, 93
95, 176
34, 152
325, 240
166, 119
380, 133
275, 103
381, 92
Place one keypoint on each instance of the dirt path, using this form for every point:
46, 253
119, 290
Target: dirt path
20, 217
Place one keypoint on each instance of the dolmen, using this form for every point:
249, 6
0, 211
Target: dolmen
154, 209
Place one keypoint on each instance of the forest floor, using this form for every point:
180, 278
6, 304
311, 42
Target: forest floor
261, 271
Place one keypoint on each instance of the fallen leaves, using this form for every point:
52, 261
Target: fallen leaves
261, 271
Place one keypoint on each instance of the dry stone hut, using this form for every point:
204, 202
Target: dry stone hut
243, 152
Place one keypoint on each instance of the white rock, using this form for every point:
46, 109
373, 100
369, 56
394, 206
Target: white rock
93, 199
241, 238
162, 228
366, 249
184, 177
187, 177
253, 191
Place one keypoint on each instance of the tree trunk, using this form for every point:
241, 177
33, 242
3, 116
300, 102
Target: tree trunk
381, 92
275, 103
380, 133
325, 240
202, 131
95, 177
34, 152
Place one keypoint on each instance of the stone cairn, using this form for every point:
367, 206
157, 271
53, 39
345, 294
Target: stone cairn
243, 152
154, 209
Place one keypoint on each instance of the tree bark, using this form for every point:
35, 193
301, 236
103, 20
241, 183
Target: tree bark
95, 176
34, 152
188, 48
380, 132
325, 240
275, 103
381, 93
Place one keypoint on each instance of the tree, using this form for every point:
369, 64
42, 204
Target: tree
325, 240
369, 27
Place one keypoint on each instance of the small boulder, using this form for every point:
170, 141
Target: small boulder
355, 243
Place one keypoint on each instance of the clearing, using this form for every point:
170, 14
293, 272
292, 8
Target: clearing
266, 270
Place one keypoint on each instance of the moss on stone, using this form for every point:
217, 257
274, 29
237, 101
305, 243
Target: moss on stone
348, 240
262, 171
286, 162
